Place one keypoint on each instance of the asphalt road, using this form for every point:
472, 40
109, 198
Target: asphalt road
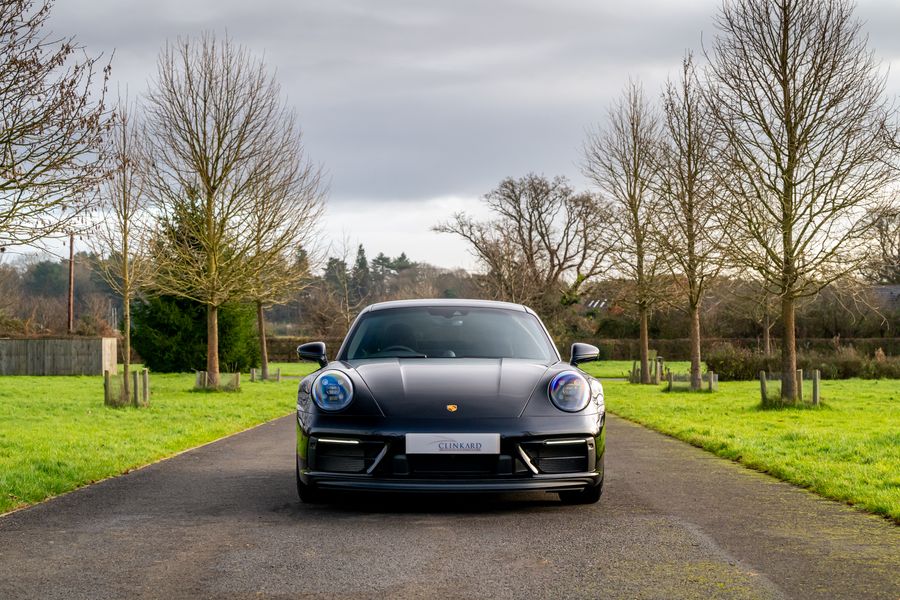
223, 521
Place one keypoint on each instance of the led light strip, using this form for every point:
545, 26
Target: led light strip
334, 441
562, 442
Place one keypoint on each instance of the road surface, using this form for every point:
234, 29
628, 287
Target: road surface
223, 521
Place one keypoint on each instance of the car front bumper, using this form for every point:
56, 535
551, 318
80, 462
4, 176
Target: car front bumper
564, 454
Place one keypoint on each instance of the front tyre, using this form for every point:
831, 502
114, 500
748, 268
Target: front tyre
308, 494
589, 495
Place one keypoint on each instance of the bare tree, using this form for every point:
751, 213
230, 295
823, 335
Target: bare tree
120, 238
688, 234
884, 267
11, 296
544, 241
622, 160
51, 126
746, 299
800, 101
282, 220
217, 126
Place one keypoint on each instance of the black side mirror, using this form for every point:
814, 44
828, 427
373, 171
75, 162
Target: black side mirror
313, 351
582, 353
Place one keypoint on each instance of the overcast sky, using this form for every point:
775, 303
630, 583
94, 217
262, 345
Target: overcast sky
416, 108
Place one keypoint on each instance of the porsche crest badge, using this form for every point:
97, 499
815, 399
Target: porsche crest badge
452, 407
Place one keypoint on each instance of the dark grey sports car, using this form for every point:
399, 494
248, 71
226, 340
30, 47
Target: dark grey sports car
450, 396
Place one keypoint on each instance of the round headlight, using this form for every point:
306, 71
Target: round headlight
332, 390
570, 391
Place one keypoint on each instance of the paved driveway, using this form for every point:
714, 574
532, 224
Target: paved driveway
223, 521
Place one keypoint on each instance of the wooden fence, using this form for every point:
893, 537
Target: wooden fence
57, 356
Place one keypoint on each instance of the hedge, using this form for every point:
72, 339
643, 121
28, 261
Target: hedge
680, 348
740, 364
284, 348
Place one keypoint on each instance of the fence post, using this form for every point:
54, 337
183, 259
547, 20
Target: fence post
145, 386
136, 398
202, 380
669, 376
799, 385
278, 374
252, 375
815, 396
762, 387
237, 380
715, 377
106, 391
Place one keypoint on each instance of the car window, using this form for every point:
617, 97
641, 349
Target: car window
449, 332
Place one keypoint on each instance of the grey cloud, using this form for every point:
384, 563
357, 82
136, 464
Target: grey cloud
408, 100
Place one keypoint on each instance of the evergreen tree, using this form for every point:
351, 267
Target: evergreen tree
380, 271
401, 263
336, 275
360, 277
170, 335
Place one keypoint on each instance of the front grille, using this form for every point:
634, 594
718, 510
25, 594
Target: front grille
559, 457
344, 458
451, 465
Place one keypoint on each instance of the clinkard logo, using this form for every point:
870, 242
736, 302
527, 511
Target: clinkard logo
445, 446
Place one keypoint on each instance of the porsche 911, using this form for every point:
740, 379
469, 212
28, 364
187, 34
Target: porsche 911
450, 396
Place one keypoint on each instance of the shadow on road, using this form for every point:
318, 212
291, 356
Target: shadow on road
406, 503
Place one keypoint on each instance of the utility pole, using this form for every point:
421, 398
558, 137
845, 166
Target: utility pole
71, 320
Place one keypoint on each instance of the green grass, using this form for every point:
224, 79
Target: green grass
56, 435
292, 369
848, 449
620, 368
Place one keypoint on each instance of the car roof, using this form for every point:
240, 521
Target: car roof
448, 302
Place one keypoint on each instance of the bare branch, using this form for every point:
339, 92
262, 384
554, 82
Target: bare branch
51, 126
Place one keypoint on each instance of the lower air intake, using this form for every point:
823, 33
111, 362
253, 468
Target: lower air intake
555, 457
345, 457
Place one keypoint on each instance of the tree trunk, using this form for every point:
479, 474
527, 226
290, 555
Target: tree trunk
126, 351
696, 379
788, 352
212, 346
645, 344
70, 298
263, 352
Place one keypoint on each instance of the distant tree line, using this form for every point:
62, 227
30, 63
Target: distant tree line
770, 172
756, 192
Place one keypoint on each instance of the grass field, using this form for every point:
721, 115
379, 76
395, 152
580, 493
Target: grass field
292, 369
56, 435
620, 368
848, 449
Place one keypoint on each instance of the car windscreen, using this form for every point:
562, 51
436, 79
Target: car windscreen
449, 332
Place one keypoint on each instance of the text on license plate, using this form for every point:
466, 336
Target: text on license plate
453, 443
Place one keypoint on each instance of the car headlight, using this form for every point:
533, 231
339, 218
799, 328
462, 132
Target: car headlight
332, 391
570, 391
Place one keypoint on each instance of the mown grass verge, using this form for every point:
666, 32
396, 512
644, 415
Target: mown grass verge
619, 369
56, 435
848, 449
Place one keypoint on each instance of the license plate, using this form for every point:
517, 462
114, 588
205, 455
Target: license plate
453, 443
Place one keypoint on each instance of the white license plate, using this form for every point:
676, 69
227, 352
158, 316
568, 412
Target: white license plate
453, 443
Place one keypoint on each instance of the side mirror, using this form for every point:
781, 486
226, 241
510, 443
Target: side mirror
313, 351
582, 353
